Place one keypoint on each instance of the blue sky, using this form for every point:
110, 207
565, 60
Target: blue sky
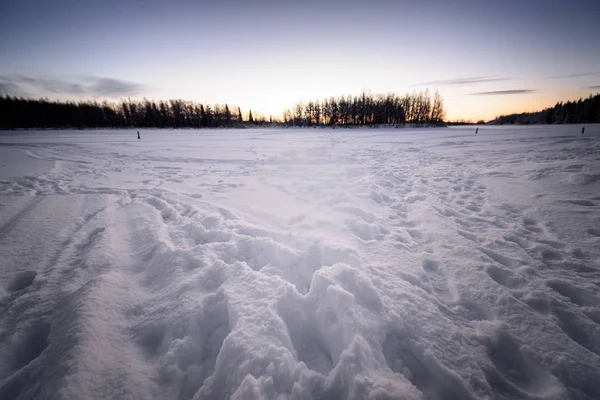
485, 57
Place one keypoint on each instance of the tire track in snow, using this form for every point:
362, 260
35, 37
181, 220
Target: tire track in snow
28, 316
13, 221
44, 273
172, 330
90, 318
71, 238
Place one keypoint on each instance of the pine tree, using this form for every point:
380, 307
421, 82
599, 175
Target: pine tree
227, 116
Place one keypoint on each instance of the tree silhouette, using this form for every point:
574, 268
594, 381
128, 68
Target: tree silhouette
582, 111
227, 116
368, 110
362, 110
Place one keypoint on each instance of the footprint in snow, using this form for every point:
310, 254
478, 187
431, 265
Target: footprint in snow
515, 370
594, 232
22, 280
579, 329
575, 294
404, 356
473, 207
438, 280
584, 203
531, 225
504, 277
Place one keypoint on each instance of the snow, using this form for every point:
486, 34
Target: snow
14, 163
301, 263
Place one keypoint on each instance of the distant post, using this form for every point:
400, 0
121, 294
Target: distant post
476, 130
138, 134
582, 130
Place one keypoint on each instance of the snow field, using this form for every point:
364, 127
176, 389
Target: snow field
306, 264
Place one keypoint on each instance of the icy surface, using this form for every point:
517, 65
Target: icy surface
304, 264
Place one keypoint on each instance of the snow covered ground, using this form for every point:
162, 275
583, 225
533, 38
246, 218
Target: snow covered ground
305, 264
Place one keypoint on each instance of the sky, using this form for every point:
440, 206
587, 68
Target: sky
486, 58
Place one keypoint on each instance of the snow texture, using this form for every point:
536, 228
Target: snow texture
302, 264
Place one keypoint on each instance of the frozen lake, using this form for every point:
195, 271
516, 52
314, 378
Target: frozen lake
300, 263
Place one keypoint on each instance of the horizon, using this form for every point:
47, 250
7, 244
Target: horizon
485, 60
280, 119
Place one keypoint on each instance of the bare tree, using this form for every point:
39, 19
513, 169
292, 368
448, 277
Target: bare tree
437, 111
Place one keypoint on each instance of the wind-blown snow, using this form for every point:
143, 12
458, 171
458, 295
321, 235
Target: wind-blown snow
304, 264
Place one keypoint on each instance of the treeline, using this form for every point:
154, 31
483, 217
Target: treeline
28, 113
367, 110
420, 109
582, 111
461, 122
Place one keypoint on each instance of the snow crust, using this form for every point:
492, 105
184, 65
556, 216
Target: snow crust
301, 263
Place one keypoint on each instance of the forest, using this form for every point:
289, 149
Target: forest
41, 113
418, 109
582, 111
366, 109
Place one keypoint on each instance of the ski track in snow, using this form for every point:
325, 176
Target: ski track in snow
305, 264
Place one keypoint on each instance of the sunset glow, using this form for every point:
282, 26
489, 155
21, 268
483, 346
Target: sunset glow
260, 58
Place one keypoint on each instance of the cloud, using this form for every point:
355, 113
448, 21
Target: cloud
463, 81
11, 89
594, 87
504, 92
51, 85
89, 86
574, 75
115, 87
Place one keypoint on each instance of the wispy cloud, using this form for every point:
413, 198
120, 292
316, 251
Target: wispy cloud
594, 87
463, 81
11, 89
579, 75
504, 92
20, 85
111, 87
49, 85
